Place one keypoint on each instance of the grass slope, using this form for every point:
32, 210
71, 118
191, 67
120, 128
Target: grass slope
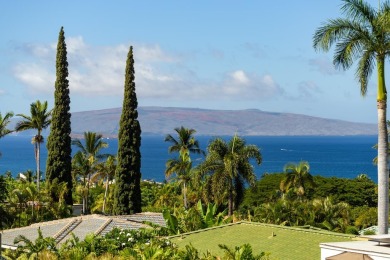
282, 242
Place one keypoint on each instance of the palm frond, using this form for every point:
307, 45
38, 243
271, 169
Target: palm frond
350, 47
359, 11
364, 70
39, 118
4, 121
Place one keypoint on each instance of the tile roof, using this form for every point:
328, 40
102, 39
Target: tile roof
155, 218
80, 226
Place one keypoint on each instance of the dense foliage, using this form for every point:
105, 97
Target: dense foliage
122, 244
22, 204
59, 161
338, 204
356, 192
128, 172
348, 210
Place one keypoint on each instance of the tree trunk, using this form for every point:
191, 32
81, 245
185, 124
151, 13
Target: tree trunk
83, 195
383, 173
105, 196
37, 157
185, 195
86, 199
83, 204
230, 206
32, 209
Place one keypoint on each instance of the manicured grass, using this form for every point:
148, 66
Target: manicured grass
282, 242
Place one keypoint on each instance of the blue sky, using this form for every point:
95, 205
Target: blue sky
203, 54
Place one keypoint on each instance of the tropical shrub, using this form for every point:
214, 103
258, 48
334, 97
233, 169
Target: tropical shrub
32, 250
365, 216
121, 239
243, 252
210, 216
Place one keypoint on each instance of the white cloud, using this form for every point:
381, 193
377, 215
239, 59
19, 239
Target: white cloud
39, 51
75, 45
99, 71
240, 77
236, 85
251, 86
152, 54
35, 76
92, 70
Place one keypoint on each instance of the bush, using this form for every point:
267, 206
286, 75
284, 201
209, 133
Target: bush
369, 232
352, 230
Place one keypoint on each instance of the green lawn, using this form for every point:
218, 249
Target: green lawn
282, 242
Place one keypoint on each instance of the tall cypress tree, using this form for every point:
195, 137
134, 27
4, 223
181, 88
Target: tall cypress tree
128, 171
59, 158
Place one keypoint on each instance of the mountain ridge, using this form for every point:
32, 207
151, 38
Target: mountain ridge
246, 122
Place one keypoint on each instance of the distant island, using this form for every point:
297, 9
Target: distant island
162, 121
249, 122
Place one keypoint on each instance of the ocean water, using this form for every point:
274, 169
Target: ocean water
341, 156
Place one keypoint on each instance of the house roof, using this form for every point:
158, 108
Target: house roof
349, 256
61, 229
280, 241
363, 247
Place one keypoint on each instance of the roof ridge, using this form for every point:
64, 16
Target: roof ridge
102, 227
89, 216
299, 229
39, 224
67, 229
308, 228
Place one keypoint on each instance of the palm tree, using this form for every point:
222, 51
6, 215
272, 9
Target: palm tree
331, 216
39, 120
363, 35
182, 166
57, 201
186, 143
4, 121
81, 167
166, 196
230, 167
88, 156
105, 170
32, 194
297, 176
182, 170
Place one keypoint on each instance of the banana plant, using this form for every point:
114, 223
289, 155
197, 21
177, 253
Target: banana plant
171, 222
210, 215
